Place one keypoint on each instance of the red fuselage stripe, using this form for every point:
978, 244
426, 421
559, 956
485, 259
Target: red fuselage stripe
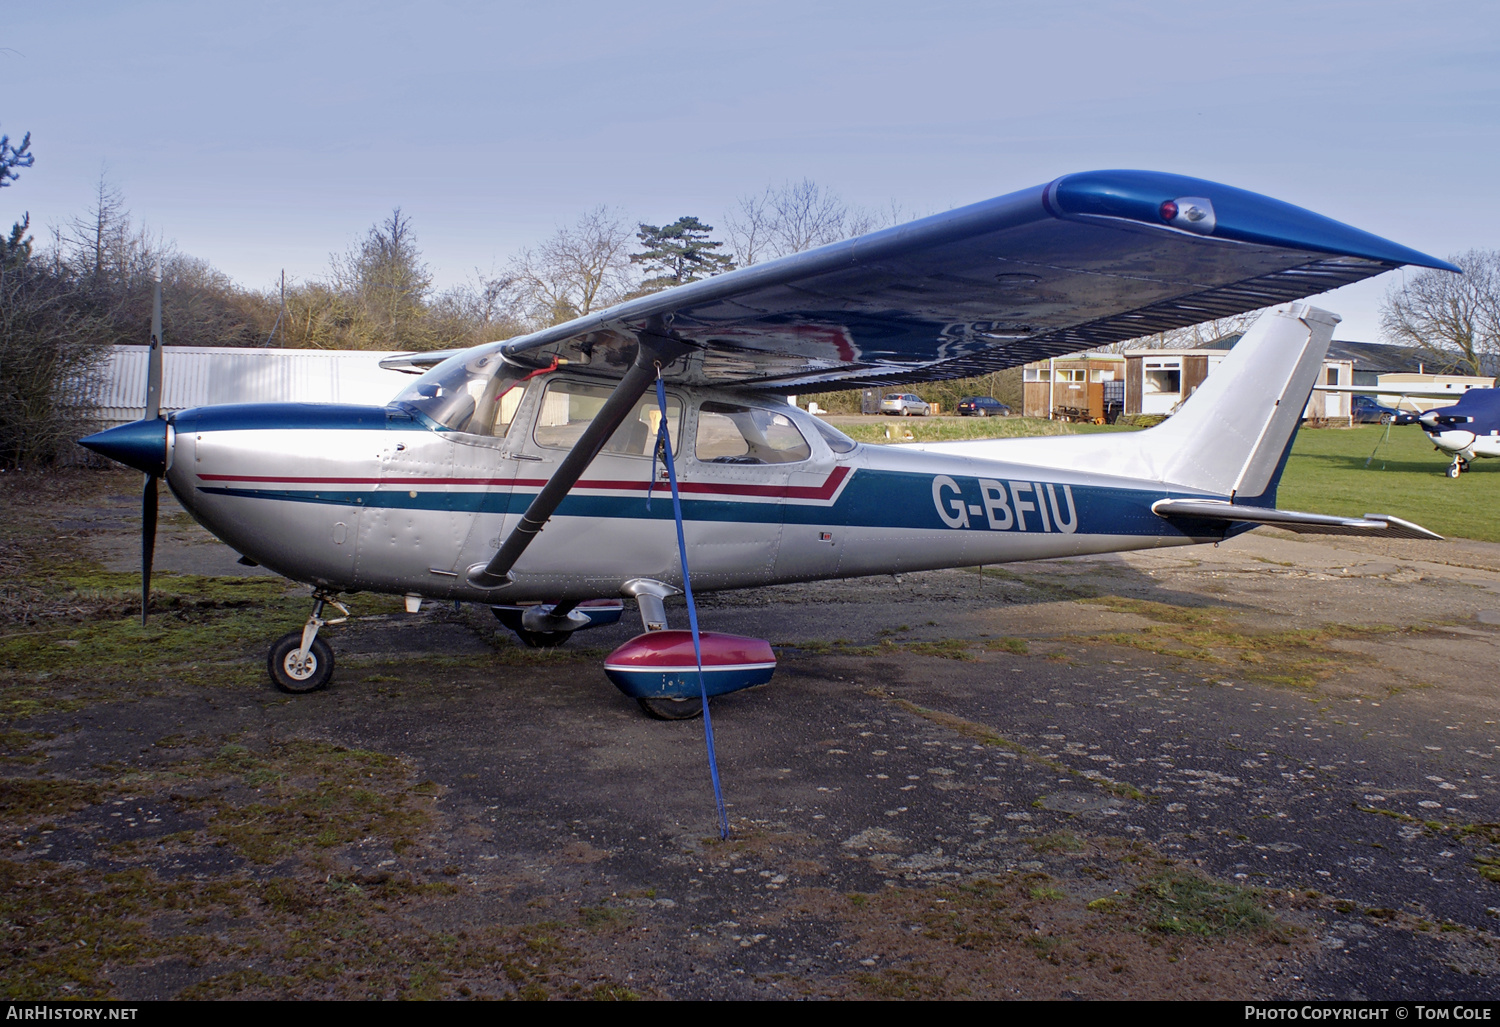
824, 491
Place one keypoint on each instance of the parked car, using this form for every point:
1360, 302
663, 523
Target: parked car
1365, 410
904, 404
982, 406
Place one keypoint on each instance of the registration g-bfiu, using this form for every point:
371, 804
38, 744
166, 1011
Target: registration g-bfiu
516, 474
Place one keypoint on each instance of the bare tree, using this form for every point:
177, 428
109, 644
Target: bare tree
483, 310
796, 217
51, 341
378, 296
202, 306
1189, 337
749, 227
99, 239
582, 268
1454, 319
385, 275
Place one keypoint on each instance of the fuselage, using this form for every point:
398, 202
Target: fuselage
386, 499
1469, 428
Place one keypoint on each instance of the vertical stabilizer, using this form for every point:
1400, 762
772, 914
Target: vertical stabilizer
1231, 435
1230, 438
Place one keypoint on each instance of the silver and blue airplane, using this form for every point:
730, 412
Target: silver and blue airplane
516, 474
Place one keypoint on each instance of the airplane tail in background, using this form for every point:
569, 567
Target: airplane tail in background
1230, 438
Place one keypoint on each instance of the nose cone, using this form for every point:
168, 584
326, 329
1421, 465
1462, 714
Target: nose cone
140, 444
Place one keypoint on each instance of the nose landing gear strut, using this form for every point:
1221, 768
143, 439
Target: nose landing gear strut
300, 661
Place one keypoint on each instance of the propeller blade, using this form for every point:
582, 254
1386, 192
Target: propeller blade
148, 541
153, 371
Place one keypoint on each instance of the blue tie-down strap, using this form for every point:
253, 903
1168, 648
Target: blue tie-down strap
664, 445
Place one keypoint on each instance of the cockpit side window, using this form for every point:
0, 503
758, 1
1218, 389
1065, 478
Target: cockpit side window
568, 408
475, 393
730, 434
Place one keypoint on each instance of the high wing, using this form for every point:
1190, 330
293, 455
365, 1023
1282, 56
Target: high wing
1416, 390
1088, 259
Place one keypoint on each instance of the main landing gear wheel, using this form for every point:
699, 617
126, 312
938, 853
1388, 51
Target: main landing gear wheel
298, 677
511, 617
672, 709
542, 639
1454, 470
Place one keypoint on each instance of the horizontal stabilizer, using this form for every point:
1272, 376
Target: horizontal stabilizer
1370, 525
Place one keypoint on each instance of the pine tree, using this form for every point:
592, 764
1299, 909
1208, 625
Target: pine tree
679, 253
17, 249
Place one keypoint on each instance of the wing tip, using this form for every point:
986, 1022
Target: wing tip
1237, 214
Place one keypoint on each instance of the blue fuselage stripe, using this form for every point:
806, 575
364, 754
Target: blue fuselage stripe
885, 499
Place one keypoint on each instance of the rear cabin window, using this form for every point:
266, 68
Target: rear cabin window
837, 440
729, 434
569, 407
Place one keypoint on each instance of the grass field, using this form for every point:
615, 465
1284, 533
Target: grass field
1325, 474
946, 429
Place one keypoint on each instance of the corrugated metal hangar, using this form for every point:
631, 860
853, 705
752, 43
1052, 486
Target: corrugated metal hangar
194, 376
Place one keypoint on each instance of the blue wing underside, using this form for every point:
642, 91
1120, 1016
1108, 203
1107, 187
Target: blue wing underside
1087, 260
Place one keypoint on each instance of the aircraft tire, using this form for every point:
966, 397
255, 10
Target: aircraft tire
312, 677
672, 709
542, 639
1454, 470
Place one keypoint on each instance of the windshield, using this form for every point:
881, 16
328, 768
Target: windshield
474, 391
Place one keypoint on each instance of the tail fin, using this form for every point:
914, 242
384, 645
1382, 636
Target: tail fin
1232, 435
1230, 438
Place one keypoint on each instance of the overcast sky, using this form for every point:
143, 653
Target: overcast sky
262, 136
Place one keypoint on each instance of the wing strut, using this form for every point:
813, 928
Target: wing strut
654, 347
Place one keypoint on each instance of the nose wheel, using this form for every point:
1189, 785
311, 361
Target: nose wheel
295, 672
300, 661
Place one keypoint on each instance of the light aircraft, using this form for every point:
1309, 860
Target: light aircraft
1467, 429
445, 492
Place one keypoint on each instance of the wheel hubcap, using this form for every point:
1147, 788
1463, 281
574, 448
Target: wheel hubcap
302, 671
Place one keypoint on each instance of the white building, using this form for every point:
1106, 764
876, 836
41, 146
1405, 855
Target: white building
1157, 380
